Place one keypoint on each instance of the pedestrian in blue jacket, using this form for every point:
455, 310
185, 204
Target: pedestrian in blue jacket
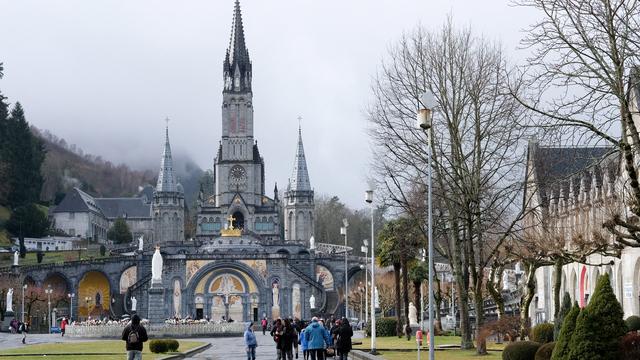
302, 340
317, 339
251, 342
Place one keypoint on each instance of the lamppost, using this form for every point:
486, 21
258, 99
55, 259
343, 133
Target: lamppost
425, 117
366, 284
343, 231
48, 291
71, 296
24, 288
369, 199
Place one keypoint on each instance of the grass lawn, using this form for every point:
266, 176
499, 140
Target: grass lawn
58, 257
66, 350
441, 355
393, 342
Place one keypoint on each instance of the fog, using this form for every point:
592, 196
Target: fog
105, 74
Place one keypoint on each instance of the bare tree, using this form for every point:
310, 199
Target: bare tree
582, 78
477, 163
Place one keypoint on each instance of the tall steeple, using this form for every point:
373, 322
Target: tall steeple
237, 65
166, 177
300, 178
299, 206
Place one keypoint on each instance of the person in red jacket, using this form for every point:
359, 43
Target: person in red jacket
63, 325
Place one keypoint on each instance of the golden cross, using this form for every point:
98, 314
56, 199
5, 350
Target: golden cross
231, 219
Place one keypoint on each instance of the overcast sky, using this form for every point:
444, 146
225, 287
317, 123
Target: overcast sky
104, 74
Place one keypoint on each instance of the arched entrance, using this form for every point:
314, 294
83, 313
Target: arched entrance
224, 293
584, 284
94, 295
60, 287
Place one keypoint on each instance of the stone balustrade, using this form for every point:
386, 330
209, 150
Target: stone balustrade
114, 331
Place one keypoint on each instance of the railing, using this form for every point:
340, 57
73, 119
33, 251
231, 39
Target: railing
325, 248
114, 331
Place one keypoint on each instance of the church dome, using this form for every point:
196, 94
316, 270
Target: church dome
180, 188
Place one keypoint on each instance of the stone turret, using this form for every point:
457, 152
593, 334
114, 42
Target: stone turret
298, 204
168, 201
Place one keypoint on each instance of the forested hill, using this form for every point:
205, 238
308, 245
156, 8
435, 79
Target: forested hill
67, 166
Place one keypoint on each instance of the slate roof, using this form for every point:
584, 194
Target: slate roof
79, 201
300, 177
559, 163
124, 207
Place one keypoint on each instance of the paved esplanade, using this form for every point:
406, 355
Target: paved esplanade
233, 348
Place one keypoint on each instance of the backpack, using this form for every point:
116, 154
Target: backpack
133, 336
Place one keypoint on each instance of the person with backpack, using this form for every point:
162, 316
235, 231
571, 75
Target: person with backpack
23, 328
286, 341
343, 339
250, 342
134, 334
264, 325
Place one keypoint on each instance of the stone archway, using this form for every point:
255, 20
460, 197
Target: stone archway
94, 295
574, 286
224, 290
60, 286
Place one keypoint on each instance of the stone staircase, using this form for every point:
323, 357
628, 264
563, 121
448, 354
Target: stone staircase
135, 290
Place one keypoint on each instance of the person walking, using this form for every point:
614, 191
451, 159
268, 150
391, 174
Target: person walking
63, 325
287, 340
317, 339
302, 340
344, 333
251, 342
276, 333
23, 328
135, 335
264, 325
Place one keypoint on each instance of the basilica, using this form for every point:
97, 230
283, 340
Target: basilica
253, 254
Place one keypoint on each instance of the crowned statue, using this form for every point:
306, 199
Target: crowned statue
312, 243
156, 267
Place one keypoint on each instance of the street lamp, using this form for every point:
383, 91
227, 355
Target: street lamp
425, 122
71, 296
24, 288
343, 231
368, 197
365, 250
48, 291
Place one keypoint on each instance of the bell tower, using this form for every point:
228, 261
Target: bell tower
299, 206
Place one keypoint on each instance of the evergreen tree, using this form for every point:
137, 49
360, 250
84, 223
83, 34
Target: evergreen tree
119, 232
561, 351
28, 221
25, 154
564, 310
5, 187
599, 327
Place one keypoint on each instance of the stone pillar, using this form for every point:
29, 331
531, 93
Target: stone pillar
156, 310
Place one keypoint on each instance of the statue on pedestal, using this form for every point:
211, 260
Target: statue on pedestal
413, 314
10, 301
16, 256
134, 304
156, 267
312, 301
312, 243
140, 243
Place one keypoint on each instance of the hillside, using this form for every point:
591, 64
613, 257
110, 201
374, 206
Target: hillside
67, 166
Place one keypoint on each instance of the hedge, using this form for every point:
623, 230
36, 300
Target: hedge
163, 345
520, 350
633, 323
545, 351
542, 333
385, 326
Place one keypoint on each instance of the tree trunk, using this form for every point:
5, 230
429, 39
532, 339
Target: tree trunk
481, 341
396, 273
416, 299
437, 296
405, 291
496, 295
527, 298
557, 285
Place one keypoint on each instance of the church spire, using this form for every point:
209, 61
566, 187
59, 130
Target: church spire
166, 177
300, 178
237, 65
